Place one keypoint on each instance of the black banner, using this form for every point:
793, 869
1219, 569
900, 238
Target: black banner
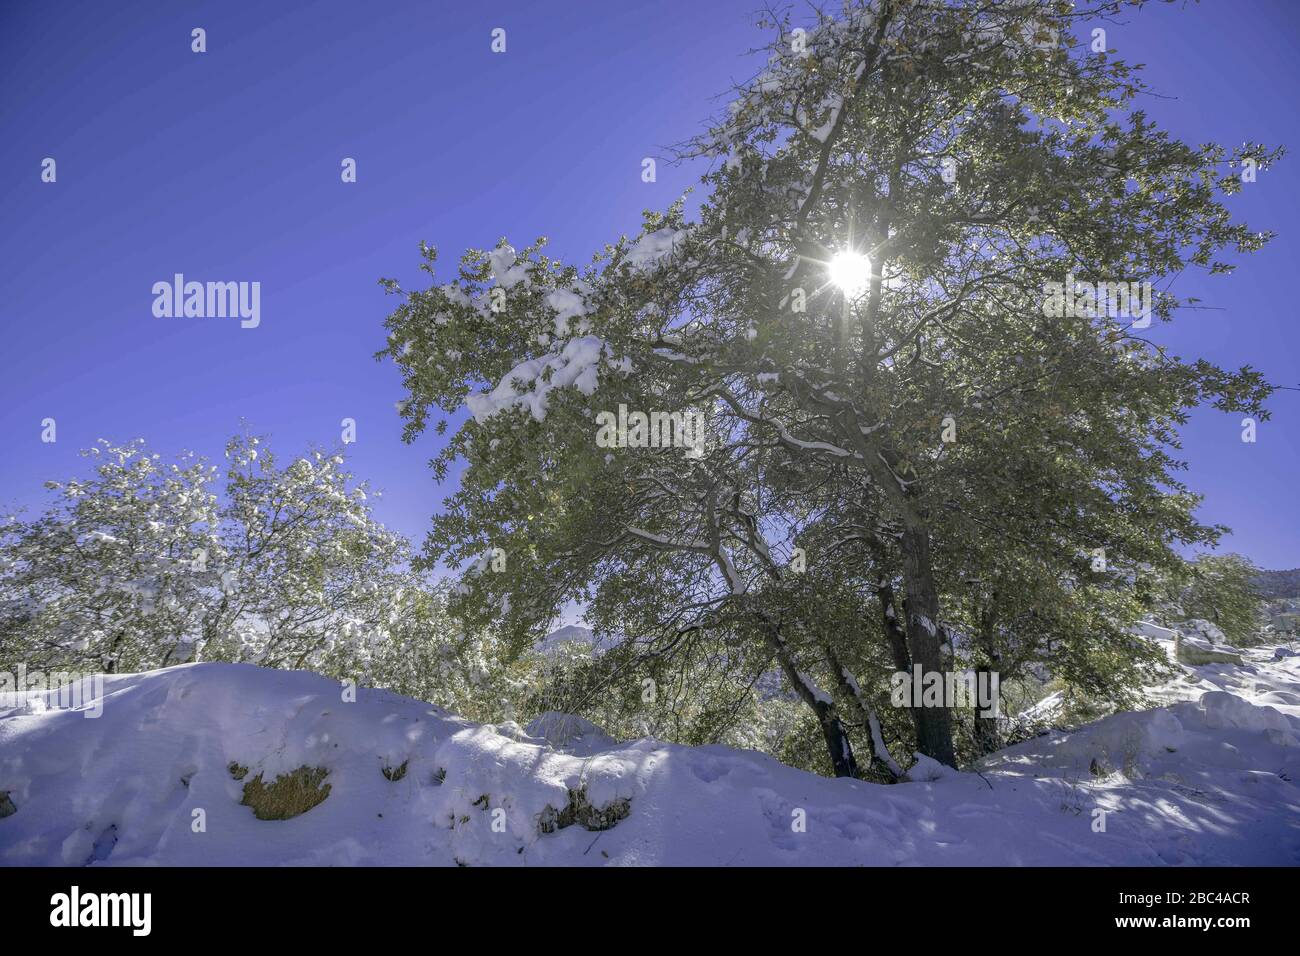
370, 905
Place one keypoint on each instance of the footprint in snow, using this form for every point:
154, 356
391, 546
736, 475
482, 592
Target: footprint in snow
103, 845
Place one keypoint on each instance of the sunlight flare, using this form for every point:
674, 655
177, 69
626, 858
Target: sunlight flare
850, 272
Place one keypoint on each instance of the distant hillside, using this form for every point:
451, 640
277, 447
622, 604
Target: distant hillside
570, 633
576, 634
1279, 584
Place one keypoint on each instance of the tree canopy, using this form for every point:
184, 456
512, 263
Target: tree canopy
910, 310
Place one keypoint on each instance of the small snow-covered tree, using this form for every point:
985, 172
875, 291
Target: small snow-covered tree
117, 573
145, 564
305, 570
1221, 589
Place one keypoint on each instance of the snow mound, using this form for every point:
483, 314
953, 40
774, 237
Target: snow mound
570, 733
1221, 709
159, 776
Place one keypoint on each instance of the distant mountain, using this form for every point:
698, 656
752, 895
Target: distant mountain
575, 634
1278, 584
565, 635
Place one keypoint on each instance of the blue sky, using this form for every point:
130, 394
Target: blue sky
225, 166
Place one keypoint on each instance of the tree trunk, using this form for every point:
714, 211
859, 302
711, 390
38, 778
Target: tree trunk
837, 743
985, 732
838, 747
924, 639
894, 632
110, 666
986, 736
882, 765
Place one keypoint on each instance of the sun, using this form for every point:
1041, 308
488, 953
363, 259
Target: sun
850, 272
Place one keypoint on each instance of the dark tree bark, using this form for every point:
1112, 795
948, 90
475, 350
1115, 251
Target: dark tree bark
838, 746
986, 736
924, 640
882, 765
894, 632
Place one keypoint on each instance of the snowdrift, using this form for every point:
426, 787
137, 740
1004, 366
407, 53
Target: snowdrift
158, 778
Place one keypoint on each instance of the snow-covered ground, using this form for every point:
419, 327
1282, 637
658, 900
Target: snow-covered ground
1210, 777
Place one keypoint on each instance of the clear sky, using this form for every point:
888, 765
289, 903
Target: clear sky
225, 166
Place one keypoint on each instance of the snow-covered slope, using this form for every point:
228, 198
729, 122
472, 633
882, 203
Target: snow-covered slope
1210, 778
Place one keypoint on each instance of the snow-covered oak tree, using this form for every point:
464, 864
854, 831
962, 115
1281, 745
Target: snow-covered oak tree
910, 310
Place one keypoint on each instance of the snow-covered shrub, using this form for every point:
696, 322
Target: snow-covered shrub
145, 563
1216, 595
